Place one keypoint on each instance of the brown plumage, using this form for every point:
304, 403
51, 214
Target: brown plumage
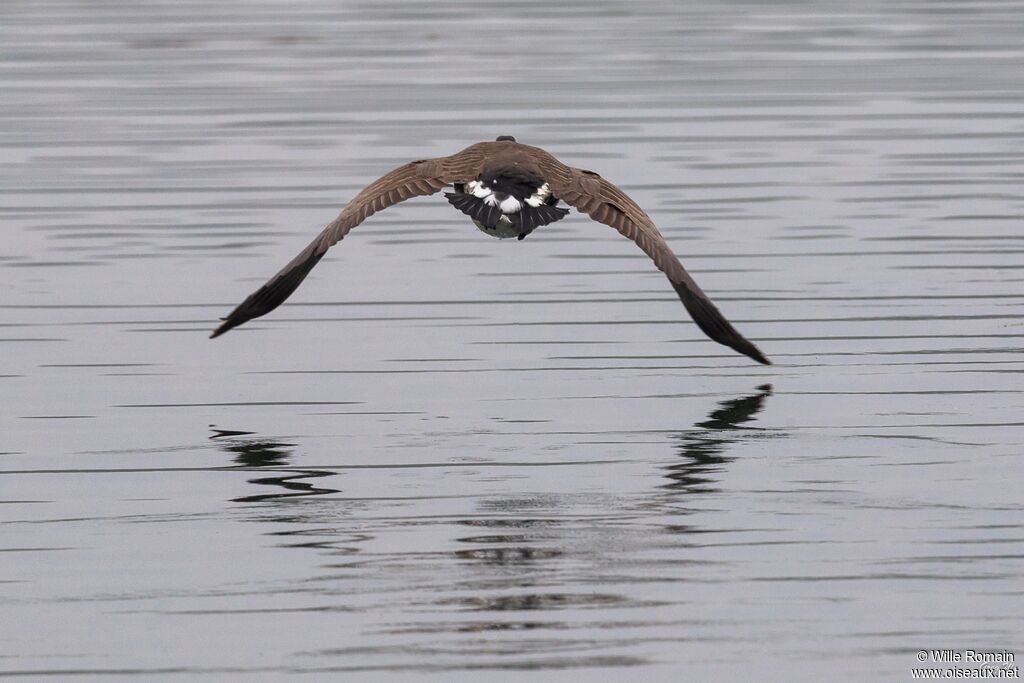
588, 192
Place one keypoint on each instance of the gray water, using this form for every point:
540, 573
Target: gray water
450, 456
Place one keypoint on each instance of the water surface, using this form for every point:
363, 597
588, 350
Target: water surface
449, 454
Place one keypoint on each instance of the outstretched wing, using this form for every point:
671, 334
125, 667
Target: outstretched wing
414, 179
604, 202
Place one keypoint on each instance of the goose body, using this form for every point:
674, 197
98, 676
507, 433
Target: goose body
508, 190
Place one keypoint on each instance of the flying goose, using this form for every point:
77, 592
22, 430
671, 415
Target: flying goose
508, 190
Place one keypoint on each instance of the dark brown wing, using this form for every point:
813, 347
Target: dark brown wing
414, 179
604, 202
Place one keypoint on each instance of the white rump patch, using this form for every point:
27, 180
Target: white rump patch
509, 205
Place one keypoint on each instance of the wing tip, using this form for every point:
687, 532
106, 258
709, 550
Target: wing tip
756, 354
272, 294
228, 324
711, 321
738, 342
741, 344
247, 310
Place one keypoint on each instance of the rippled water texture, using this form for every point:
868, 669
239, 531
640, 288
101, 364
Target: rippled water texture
455, 456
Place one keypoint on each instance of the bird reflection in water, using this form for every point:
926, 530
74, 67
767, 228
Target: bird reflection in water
517, 539
515, 556
703, 449
257, 453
